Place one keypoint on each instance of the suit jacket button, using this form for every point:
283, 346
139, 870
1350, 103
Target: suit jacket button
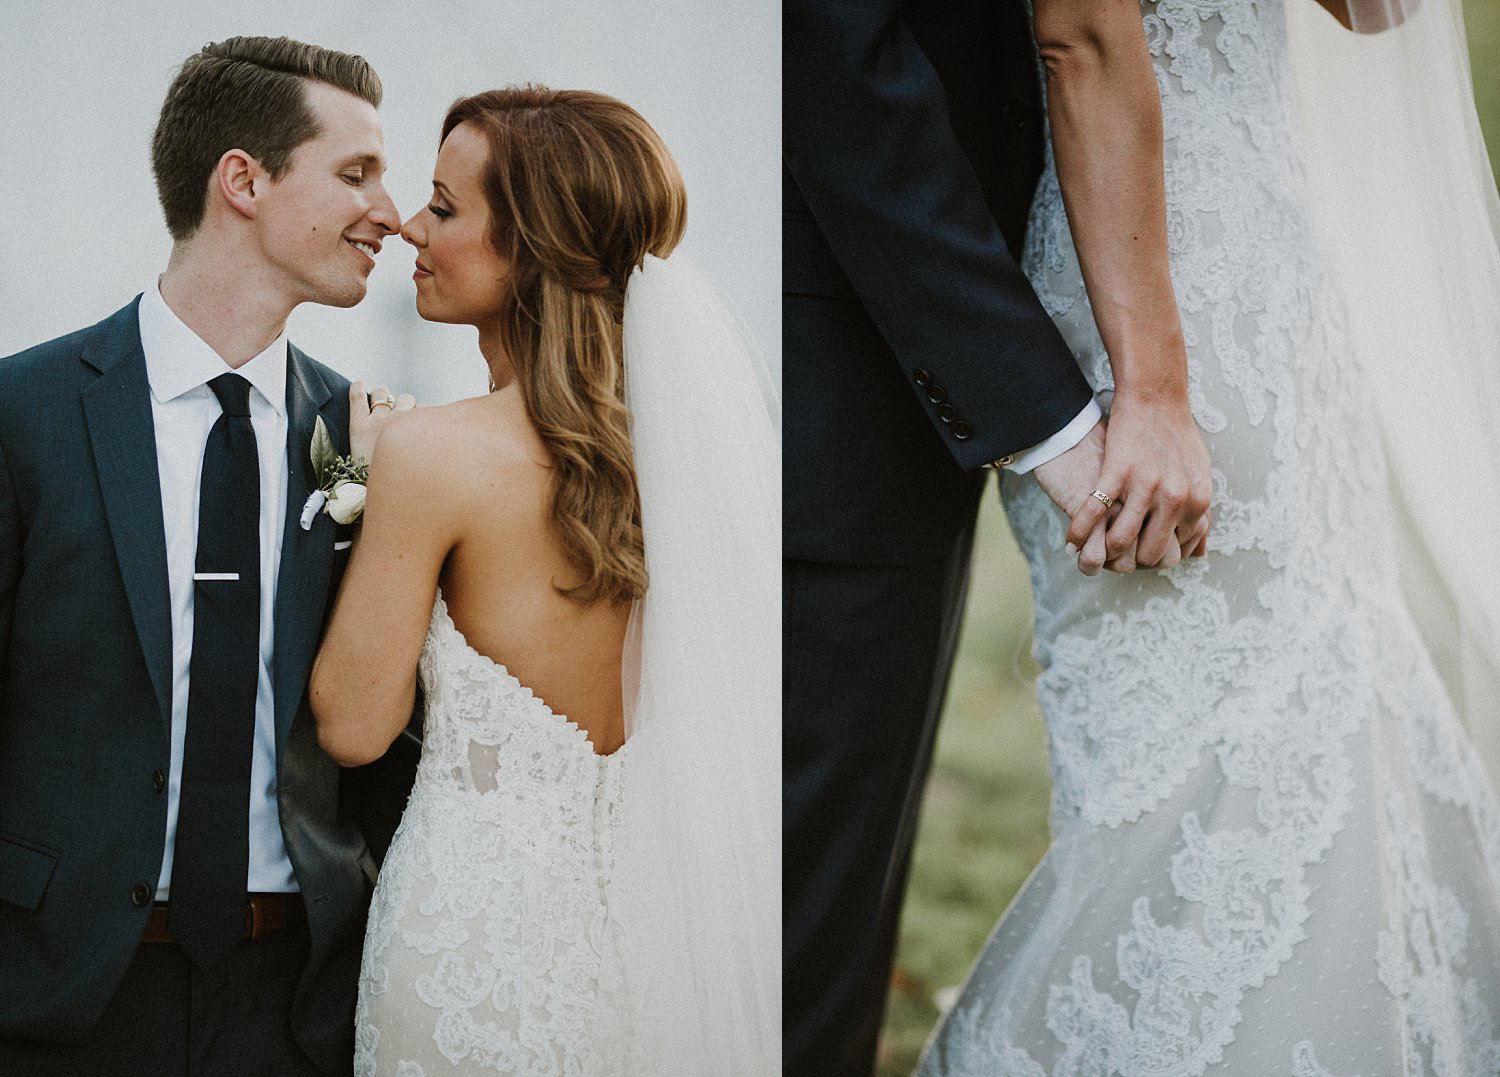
140, 895
936, 393
947, 412
158, 781
962, 430
921, 377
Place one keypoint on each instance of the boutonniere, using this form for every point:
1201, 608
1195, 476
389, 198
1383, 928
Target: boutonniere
341, 482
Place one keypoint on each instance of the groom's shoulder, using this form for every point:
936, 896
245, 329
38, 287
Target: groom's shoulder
335, 382
332, 378
41, 365
28, 369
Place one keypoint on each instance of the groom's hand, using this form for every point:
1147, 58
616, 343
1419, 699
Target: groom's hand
1158, 473
1069, 479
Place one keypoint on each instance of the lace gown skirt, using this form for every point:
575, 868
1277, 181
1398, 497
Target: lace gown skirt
490, 947
1273, 850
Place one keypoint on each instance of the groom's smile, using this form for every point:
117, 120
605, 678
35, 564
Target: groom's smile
367, 249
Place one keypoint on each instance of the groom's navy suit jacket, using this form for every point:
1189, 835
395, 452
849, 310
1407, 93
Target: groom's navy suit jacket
914, 352
912, 141
85, 685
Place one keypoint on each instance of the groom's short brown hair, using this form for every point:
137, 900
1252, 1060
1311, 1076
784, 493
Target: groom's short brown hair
243, 93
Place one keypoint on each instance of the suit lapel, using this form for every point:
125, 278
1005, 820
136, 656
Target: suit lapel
306, 556
122, 438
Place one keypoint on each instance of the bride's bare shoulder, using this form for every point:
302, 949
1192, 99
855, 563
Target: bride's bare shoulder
495, 425
467, 448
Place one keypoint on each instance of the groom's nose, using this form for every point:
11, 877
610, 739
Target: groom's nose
383, 212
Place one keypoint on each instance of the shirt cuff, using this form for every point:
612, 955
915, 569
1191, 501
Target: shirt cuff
1058, 443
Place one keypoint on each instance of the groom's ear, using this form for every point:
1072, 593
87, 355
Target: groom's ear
240, 179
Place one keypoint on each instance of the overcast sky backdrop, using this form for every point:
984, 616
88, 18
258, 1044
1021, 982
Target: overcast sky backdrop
81, 85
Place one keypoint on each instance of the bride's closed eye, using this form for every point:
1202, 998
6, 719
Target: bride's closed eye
439, 211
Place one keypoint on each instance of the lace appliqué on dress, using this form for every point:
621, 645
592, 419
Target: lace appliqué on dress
490, 944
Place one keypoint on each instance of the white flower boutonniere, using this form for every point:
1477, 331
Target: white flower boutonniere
341, 482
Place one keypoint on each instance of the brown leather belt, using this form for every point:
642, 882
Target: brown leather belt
265, 914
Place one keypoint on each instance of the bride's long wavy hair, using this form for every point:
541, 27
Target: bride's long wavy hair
580, 190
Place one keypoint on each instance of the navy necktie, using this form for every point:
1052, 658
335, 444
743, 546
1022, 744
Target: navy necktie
212, 851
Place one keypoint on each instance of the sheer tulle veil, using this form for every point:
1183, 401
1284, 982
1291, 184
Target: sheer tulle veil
1400, 166
698, 861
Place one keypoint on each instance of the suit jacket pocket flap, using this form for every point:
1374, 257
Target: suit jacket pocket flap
24, 873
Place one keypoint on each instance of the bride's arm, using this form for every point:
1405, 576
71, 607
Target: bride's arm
1107, 138
364, 680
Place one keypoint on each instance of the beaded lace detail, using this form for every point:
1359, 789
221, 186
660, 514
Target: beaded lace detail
1274, 852
490, 946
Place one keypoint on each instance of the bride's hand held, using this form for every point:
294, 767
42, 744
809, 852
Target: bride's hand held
1157, 468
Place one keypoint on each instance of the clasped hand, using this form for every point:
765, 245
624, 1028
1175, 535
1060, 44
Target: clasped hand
1149, 459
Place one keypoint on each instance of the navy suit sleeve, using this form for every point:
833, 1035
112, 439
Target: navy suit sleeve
10, 559
868, 140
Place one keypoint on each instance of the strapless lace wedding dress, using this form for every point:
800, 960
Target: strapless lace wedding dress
1274, 851
490, 946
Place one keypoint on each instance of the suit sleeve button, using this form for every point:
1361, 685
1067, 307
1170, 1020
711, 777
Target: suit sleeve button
921, 377
158, 781
140, 895
947, 412
962, 430
936, 393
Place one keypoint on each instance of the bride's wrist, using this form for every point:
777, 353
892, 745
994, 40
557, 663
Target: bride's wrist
1150, 368
1169, 392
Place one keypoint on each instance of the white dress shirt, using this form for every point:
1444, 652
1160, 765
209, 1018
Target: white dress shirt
179, 366
1058, 443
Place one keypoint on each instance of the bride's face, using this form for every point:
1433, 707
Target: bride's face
459, 276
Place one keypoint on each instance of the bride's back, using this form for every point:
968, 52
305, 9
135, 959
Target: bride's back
500, 580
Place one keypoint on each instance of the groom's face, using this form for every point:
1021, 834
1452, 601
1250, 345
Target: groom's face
323, 220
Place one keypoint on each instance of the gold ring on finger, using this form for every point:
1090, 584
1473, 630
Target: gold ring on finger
1103, 498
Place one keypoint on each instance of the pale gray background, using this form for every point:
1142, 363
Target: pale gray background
81, 85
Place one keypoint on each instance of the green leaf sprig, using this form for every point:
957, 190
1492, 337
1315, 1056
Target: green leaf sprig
331, 468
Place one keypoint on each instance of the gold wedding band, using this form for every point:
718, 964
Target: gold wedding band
384, 402
1103, 498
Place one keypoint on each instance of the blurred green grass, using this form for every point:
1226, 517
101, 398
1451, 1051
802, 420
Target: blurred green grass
1483, 19
984, 820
